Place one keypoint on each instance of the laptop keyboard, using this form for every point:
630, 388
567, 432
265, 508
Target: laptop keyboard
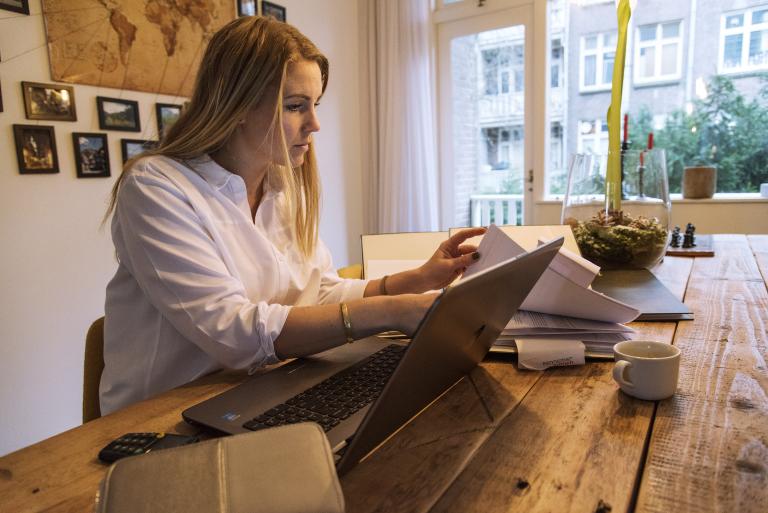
336, 398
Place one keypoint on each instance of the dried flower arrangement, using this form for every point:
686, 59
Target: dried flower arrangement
620, 240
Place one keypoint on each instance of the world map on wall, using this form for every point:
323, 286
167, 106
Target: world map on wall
141, 45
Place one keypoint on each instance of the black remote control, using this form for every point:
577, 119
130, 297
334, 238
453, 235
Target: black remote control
132, 444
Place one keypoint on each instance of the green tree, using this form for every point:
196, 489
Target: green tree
724, 129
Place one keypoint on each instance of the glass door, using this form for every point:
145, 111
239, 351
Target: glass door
485, 124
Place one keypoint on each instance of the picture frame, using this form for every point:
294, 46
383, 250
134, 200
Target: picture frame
118, 114
49, 102
36, 149
129, 148
167, 114
91, 155
19, 6
276, 11
247, 7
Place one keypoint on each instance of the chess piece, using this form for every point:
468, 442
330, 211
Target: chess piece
675, 243
690, 231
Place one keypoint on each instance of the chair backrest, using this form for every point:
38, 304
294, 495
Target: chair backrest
92, 368
354, 271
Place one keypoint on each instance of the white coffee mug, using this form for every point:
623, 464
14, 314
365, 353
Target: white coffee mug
646, 370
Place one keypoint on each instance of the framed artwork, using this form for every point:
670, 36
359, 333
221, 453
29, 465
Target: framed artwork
91, 155
50, 102
118, 114
132, 147
274, 10
20, 6
36, 149
167, 115
246, 7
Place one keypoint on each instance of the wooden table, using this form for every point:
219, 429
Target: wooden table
507, 440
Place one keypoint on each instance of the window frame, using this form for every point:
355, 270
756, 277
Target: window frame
746, 28
599, 53
658, 43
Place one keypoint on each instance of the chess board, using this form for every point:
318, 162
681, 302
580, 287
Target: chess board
703, 248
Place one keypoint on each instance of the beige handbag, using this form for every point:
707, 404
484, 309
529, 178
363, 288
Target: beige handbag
287, 469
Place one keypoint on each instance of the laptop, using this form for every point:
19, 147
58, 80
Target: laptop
362, 393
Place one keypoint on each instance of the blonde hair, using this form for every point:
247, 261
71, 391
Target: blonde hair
244, 64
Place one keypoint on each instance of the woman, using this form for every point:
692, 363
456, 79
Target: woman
216, 231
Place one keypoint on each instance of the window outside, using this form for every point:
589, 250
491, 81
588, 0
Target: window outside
696, 76
659, 52
744, 40
488, 84
597, 51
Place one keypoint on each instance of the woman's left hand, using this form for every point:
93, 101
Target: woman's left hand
450, 260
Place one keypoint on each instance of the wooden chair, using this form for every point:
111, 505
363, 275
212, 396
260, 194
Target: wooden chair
351, 271
92, 369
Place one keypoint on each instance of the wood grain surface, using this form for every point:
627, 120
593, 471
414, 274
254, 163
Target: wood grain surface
419, 462
508, 440
575, 443
708, 450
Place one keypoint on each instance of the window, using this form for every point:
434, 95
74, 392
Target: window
744, 41
697, 115
658, 52
503, 69
504, 148
556, 65
593, 136
596, 64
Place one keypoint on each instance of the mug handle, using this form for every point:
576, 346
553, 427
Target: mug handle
618, 373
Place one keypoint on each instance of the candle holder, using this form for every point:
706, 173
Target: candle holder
636, 234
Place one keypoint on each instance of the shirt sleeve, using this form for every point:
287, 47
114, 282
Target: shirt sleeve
333, 288
163, 243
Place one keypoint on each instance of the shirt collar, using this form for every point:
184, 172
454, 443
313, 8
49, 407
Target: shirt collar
218, 177
210, 171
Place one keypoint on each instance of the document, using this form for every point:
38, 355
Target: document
535, 324
562, 289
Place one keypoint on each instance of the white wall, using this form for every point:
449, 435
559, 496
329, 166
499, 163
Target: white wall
56, 262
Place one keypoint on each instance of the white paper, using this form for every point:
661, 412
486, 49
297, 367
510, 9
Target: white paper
380, 268
574, 267
539, 354
556, 292
587, 338
494, 248
534, 323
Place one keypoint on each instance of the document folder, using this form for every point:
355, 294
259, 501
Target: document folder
641, 289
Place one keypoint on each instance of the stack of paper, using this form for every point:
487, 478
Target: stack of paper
562, 317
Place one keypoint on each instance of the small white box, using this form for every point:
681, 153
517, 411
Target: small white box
764, 190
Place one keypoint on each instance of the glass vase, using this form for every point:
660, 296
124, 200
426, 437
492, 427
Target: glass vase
634, 235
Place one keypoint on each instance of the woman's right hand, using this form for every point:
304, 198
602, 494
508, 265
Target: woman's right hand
409, 310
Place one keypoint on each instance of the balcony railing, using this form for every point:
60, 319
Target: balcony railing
499, 209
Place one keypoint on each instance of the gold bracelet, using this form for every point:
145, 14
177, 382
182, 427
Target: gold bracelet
346, 322
383, 286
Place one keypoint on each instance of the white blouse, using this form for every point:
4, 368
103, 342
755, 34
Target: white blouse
200, 284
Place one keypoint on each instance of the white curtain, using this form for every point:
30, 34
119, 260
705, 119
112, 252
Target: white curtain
402, 185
